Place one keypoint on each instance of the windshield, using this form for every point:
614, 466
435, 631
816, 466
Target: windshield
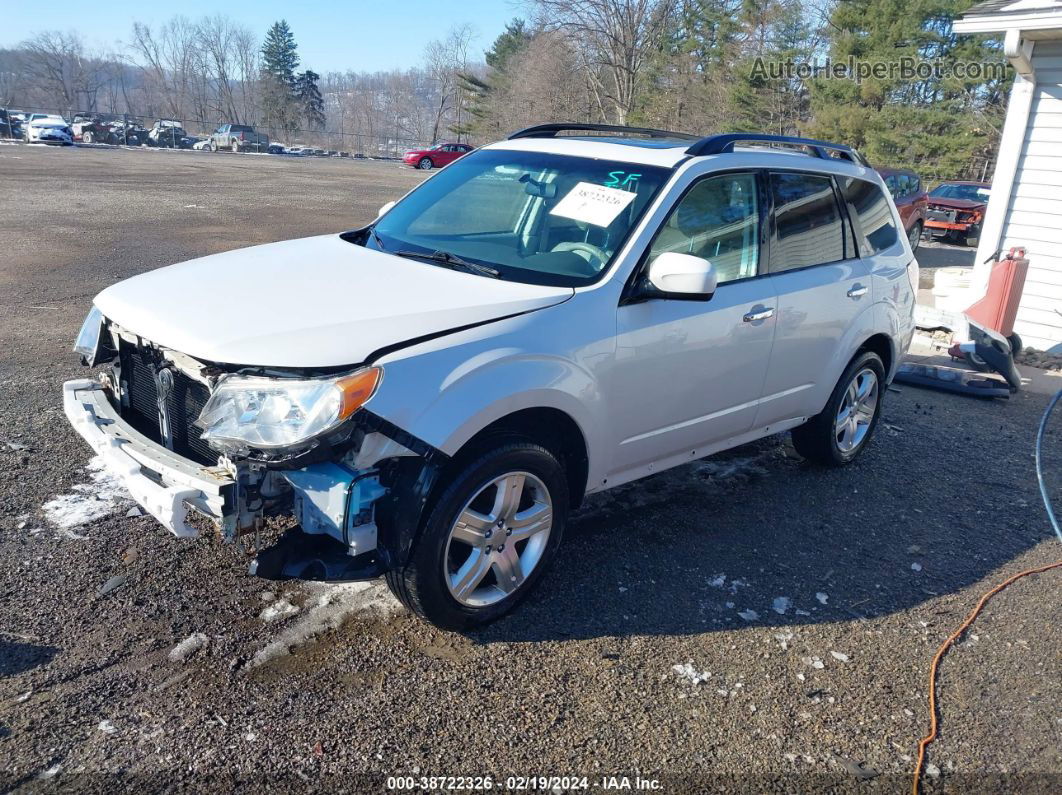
534, 217
975, 193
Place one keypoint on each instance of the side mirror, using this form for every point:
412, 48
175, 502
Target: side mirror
682, 276
385, 209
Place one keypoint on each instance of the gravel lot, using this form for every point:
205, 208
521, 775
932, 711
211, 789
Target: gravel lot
805, 603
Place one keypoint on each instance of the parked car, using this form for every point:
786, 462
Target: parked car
125, 132
170, 134
7, 125
201, 145
92, 128
438, 156
16, 120
956, 209
49, 130
431, 394
238, 138
910, 198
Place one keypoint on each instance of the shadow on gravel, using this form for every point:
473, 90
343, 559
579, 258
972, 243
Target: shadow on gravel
17, 658
756, 537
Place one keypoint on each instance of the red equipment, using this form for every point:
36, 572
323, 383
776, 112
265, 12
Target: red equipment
999, 306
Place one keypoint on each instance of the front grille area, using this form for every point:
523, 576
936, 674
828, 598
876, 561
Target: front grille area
183, 404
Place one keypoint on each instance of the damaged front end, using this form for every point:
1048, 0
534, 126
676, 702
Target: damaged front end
246, 447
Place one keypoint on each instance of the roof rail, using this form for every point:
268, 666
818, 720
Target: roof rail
718, 144
551, 130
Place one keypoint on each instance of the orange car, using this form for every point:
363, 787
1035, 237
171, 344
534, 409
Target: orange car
956, 210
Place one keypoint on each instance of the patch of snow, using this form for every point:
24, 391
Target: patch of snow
749, 615
814, 662
281, 608
781, 604
783, 638
51, 772
107, 727
916, 567
839, 656
87, 502
687, 671
718, 581
189, 646
333, 605
821, 597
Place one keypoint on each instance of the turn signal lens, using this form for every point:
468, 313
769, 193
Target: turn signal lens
356, 390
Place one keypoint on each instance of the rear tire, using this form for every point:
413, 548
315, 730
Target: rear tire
235, 148
458, 572
841, 431
914, 237
86, 137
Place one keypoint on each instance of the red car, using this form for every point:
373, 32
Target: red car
436, 157
910, 197
956, 210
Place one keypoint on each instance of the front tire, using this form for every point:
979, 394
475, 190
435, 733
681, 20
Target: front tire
840, 432
213, 146
487, 539
425, 164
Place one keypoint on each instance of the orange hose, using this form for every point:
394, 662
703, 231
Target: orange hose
940, 654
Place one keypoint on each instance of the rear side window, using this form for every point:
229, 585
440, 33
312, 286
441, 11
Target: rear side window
905, 184
807, 222
870, 213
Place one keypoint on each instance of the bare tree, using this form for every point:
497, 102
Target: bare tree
445, 59
58, 64
614, 40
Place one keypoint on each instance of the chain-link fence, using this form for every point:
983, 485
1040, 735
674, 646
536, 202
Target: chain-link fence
129, 129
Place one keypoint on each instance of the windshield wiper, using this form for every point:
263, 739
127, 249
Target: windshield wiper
452, 261
376, 236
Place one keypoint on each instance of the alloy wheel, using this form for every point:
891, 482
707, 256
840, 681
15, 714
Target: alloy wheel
498, 539
857, 411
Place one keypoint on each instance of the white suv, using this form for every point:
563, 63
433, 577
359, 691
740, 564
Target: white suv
552, 315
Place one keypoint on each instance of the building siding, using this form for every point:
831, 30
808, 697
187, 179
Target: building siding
1034, 216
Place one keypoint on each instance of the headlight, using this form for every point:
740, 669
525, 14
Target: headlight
275, 413
88, 339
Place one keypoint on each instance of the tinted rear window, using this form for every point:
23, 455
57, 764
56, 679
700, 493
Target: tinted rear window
871, 214
807, 222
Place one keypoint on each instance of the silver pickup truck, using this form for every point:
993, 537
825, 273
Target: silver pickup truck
238, 138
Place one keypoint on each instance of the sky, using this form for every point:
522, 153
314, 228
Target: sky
360, 35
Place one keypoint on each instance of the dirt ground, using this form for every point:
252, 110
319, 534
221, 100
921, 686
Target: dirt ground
742, 623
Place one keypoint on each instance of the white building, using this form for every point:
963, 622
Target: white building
1025, 207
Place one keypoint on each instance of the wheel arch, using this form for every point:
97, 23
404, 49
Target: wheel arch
550, 427
883, 346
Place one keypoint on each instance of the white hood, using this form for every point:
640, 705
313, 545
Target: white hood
314, 302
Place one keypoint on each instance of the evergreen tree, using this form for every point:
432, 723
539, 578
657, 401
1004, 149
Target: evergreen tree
479, 90
280, 59
309, 98
896, 120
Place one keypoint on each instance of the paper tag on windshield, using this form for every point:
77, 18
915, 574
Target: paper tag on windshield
593, 204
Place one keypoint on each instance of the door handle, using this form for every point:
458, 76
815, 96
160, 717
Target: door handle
857, 291
758, 313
